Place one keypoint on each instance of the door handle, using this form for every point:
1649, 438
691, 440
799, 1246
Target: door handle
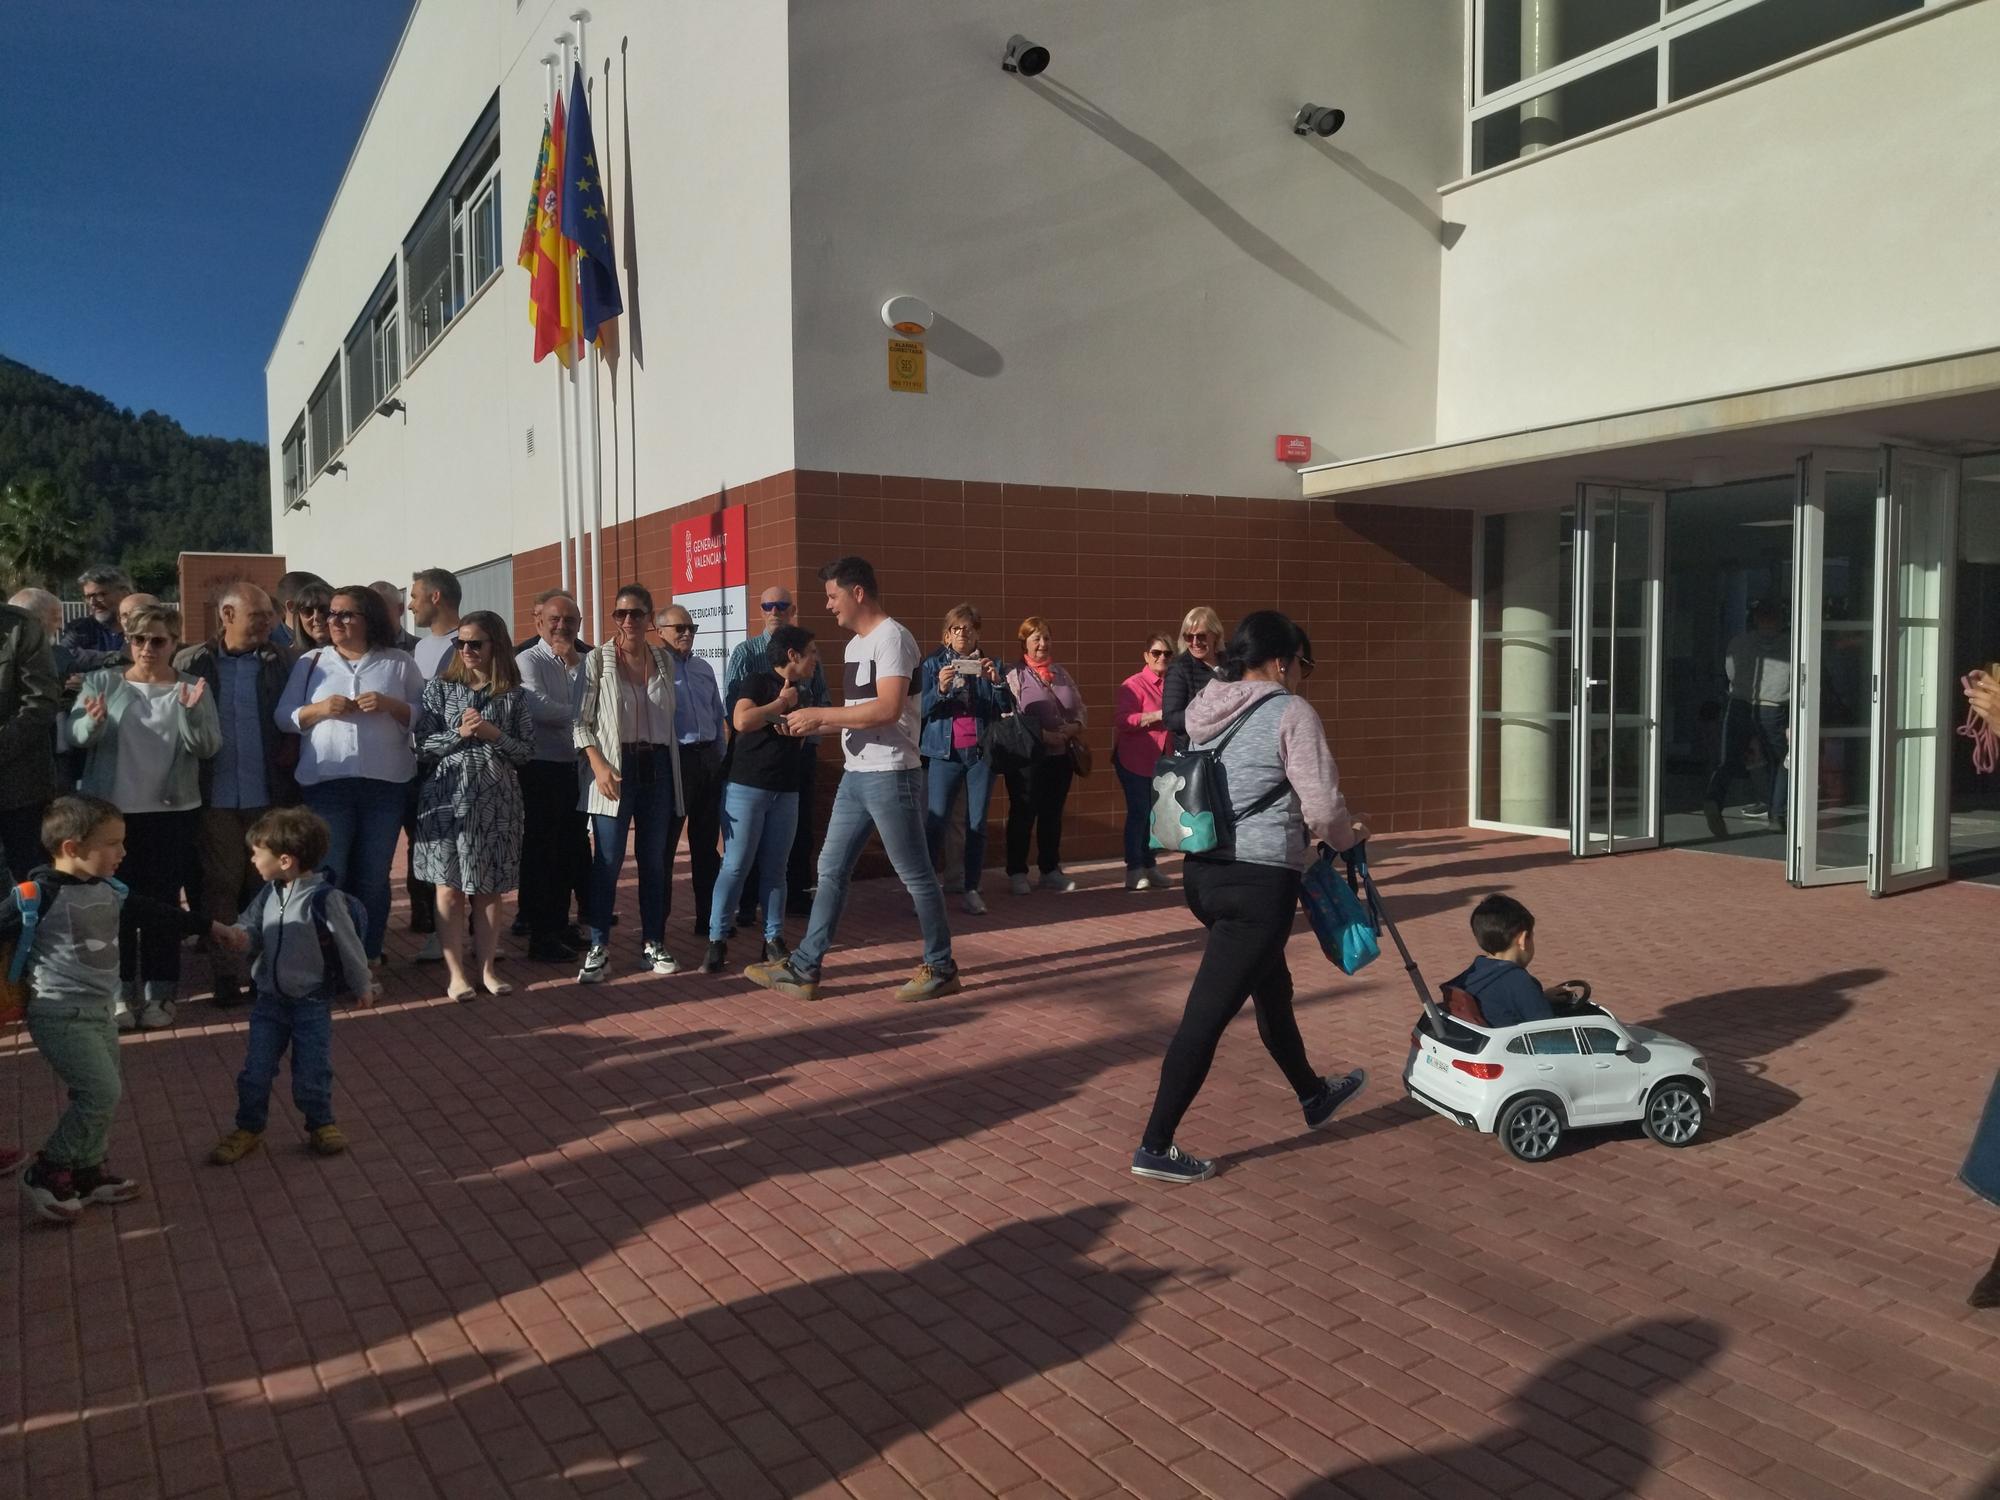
1603, 1067
1545, 1067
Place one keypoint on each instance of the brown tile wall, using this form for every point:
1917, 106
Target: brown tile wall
202, 575
1384, 592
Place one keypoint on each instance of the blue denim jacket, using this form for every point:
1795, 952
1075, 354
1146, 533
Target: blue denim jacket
986, 700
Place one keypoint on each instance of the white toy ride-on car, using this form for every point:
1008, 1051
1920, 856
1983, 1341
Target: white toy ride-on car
1530, 1083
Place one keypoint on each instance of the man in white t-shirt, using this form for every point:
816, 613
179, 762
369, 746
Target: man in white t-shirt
882, 791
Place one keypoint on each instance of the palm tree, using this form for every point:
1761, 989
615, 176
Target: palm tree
40, 545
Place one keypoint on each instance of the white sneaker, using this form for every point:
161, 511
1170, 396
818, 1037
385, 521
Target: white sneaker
1055, 880
122, 1014
1155, 881
1019, 884
595, 962
156, 1015
659, 960
432, 951
1135, 880
974, 903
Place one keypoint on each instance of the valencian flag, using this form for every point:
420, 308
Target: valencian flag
584, 219
552, 294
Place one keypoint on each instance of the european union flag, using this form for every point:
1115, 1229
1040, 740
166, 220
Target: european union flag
585, 222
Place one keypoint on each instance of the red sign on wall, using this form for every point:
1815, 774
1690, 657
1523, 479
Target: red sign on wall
1294, 448
711, 562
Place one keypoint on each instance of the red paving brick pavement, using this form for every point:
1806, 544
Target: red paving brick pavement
678, 1237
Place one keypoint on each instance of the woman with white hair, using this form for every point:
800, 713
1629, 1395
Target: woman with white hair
1198, 664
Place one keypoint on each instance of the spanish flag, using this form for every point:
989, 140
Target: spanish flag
548, 254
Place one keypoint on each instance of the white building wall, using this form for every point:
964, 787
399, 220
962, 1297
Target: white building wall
1141, 276
703, 388
1837, 217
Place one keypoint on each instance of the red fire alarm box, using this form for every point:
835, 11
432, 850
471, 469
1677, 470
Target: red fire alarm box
1294, 448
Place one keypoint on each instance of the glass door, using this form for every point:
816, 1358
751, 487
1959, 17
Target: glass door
1918, 529
1615, 712
1832, 749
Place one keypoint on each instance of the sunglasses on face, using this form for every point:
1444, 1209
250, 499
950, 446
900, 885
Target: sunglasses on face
1197, 637
775, 607
462, 644
1156, 651
336, 616
628, 614
1306, 665
314, 609
680, 629
156, 642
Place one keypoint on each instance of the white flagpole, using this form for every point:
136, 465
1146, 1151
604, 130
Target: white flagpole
565, 548
596, 486
588, 601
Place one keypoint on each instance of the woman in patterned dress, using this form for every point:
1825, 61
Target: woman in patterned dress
475, 732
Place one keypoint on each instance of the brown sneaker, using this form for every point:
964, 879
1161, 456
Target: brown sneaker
781, 979
233, 1147
327, 1140
928, 984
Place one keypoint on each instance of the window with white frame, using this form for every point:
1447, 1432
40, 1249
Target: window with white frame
323, 425
1548, 71
294, 455
373, 365
455, 248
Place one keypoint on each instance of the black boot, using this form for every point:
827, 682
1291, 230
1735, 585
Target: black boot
1986, 1293
716, 959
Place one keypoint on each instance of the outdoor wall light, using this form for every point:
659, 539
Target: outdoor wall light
1318, 119
336, 467
1023, 57
390, 407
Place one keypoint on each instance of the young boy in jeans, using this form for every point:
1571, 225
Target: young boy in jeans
307, 951
1499, 979
72, 978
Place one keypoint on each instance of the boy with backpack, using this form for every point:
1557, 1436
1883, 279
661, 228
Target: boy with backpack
63, 923
305, 938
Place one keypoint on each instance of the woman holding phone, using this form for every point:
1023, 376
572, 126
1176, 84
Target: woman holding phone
960, 695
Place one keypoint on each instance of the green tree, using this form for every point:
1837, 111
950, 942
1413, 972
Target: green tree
41, 544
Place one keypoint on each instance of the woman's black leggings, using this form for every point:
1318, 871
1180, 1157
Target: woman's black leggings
1035, 798
1248, 912
158, 857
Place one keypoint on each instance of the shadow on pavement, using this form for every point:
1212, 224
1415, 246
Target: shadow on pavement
1605, 1388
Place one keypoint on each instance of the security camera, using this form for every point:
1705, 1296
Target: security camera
1318, 119
1023, 57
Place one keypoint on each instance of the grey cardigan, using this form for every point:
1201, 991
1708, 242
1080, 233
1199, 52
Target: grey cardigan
199, 736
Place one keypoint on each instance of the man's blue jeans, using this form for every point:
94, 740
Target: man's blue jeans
1765, 723
363, 817
942, 780
1139, 852
891, 804
648, 805
757, 829
306, 1027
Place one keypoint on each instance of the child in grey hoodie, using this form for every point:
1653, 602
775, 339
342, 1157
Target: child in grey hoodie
308, 951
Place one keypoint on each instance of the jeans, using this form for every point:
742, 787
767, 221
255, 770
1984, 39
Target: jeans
1765, 723
159, 856
1035, 798
81, 1043
701, 789
943, 778
555, 847
363, 816
757, 828
891, 804
646, 799
1139, 851
1248, 911
305, 1026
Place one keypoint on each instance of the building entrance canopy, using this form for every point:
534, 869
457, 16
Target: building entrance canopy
1948, 406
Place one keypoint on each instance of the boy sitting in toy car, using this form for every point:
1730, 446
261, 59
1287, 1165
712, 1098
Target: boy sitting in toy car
1498, 984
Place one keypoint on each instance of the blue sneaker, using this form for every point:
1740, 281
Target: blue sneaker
1170, 1165
1333, 1092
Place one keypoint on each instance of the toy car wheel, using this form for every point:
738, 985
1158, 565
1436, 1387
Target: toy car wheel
1675, 1113
1530, 1128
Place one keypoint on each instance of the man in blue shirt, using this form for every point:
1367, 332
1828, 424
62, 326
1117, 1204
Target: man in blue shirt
700, 727
252, 772
753, 656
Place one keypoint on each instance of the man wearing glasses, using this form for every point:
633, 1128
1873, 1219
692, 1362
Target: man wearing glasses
97, 631
753, 656
699, 729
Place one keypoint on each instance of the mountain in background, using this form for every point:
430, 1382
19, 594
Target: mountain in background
140, 487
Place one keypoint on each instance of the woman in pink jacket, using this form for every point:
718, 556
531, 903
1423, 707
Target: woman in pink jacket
1142, 740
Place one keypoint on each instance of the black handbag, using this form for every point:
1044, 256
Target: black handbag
1191, 809
1016, 743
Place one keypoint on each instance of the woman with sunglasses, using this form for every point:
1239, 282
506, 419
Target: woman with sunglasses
310, 630
1285, 791
1199, 664
625, 728
1141, 741
476, 730
351, 702
145, 731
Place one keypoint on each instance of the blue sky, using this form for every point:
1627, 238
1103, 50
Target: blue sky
166, 170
